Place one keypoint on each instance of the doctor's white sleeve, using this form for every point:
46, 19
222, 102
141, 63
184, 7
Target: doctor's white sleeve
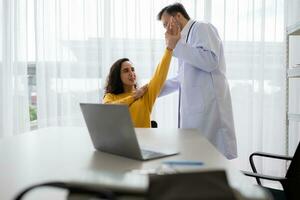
198, 57
171, 85
204, 50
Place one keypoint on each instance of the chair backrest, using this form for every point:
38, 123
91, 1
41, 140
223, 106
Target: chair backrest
153, 124
291, 185
205, 185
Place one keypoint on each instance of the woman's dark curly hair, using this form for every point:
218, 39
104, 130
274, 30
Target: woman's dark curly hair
114, 83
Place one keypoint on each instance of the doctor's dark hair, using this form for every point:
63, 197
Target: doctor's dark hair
114, 83
172, 10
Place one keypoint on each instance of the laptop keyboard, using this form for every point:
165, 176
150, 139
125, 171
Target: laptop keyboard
150, 154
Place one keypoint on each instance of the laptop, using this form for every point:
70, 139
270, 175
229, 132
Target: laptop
111, 130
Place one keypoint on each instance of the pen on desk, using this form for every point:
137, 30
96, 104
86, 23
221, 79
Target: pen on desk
181, 162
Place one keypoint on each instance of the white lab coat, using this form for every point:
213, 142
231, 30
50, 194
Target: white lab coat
205, 101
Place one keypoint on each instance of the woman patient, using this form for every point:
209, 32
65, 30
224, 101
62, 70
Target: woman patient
121, 82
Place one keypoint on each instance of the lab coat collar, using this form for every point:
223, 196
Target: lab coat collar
186, 28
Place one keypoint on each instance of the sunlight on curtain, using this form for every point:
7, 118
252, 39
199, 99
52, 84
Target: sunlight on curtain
14, 110
68, 59
78, 40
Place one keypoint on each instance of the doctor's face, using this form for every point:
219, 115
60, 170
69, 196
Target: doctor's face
165, 19
127, 73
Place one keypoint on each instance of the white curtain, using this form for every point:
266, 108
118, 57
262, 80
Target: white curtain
78, 40
14, 110
253, 34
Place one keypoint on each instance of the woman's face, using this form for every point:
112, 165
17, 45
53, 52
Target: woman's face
128, 76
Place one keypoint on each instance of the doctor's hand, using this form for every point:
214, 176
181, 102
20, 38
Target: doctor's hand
140, 92
172, 35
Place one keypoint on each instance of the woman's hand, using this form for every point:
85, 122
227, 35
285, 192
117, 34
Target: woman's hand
140, 92
172, 35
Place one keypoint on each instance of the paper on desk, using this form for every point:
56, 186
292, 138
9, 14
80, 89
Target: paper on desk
182, 165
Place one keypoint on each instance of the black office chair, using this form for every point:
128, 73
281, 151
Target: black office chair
153, 124
291, 181
180, 186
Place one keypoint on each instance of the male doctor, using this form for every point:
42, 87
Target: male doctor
204, 100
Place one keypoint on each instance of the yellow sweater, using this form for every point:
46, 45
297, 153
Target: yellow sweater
141, 108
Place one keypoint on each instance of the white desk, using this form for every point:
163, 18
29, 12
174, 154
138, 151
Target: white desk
66, 153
